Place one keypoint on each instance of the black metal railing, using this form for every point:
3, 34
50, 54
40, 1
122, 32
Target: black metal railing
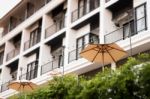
126, 31
32, 70
56, 63
28, 44
75, 54
57, 26
30, 12
4, 86
32, 74
83, 10
12, 54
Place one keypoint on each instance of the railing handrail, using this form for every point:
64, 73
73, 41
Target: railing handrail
52, 62
27, 17
135, 31
58, 25
84, 13
55, 23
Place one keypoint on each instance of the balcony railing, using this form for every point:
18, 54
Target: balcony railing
28, 44
83, 10
12, 54
4, 86
29, 13
56, 63
75, 54
57, 26
126, 31
32, 73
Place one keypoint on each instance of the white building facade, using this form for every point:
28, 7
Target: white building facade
42, 36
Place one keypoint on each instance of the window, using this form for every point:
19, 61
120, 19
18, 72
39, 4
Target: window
85, 6
35, 37
1, 57
84, 40
128, 28
32, 70
140, 13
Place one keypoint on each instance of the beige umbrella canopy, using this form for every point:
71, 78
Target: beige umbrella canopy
23, 85
103, 53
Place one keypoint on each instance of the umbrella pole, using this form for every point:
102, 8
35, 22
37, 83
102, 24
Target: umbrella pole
102, 60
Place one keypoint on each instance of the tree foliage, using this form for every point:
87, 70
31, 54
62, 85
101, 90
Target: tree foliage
130, 81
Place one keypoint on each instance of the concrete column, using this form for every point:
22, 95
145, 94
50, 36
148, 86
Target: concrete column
102, 21
41, 46
68, 23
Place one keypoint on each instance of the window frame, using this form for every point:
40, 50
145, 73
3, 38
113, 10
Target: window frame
145, 17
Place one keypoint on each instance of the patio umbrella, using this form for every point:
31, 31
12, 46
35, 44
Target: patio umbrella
103, 53
23, 85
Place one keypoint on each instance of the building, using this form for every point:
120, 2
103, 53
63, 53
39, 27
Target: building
43, 35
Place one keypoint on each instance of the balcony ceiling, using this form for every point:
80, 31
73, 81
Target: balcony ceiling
120, 4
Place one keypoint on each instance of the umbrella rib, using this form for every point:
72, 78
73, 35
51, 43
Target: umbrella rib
117, 49
19, 87
96, 55
88, 50
110, 55
30, 86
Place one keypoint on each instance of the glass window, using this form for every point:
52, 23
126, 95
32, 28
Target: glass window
141, 18
140, 12
128, 28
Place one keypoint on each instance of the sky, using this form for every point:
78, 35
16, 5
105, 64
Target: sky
6, 6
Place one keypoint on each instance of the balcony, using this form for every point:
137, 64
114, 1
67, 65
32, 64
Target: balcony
31, 71
57, 26
50, 66
12, 54
75, 54
126, 31
4, 86
30, 43
84, 9
21, 14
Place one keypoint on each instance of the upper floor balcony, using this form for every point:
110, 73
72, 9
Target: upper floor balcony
131, 23
20, 13
52, 65
81, 44
54, 28
10, 76
31, 71
33, 34
13, 48
84, 7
